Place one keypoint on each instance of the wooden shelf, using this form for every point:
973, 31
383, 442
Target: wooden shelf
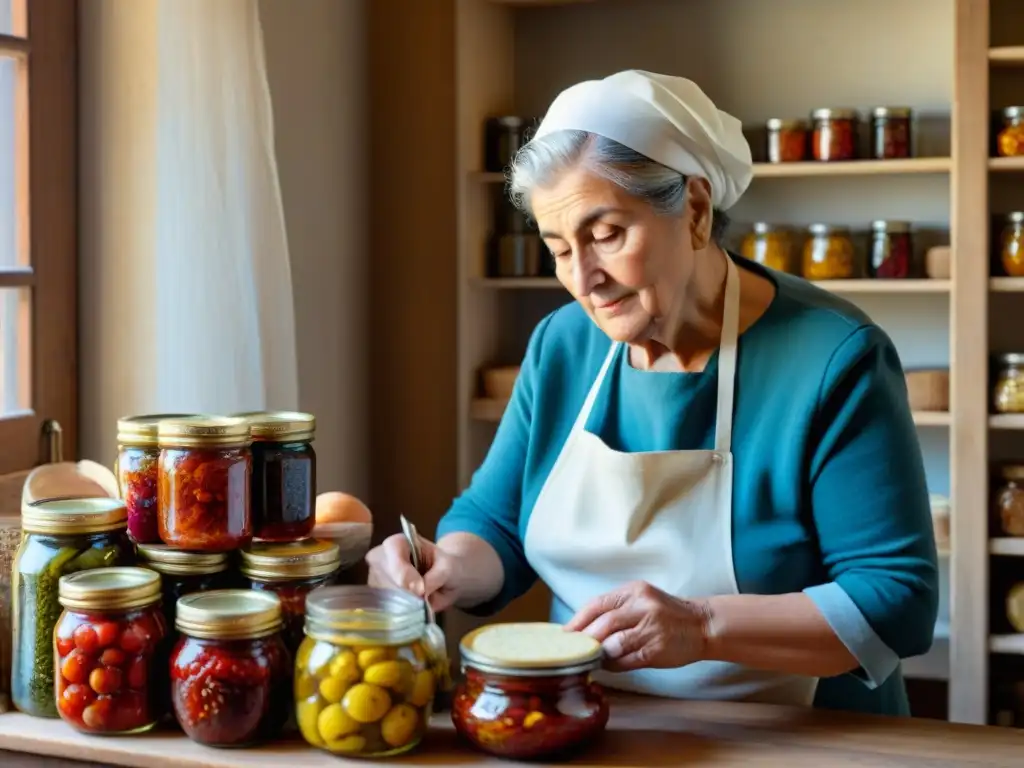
1008, 546
1010, 644
932, 418
1006, 421
835, 286
1006, 284
914, 165
1007, 56
1006, 164
518, 283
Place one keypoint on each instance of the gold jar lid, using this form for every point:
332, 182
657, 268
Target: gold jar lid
828, 229
889, 226
786, 124
280, 426
303, 559
530, 649
112, 589
834, 114
141, 431
180, 562
229, 614
204, 432
883, 113
74, 516
349, 614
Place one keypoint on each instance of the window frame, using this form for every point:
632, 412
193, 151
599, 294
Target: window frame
51, 48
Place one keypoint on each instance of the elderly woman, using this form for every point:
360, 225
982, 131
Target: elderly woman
712, 466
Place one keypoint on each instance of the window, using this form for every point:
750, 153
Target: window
38, 229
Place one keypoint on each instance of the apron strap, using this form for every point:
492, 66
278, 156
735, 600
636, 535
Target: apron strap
727, 357
588, 404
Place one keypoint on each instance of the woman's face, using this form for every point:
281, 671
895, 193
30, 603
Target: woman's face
626, 264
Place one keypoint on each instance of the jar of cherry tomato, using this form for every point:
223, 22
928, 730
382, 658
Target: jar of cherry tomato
291, 570
110, 651
283, 475
184, 573
835, 134
203, 483
363, 687
230, 669
137, 457
528, 692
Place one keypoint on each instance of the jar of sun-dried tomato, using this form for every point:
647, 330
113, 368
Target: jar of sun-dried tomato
137, 457
203, 483
835, 135
892, 250
787, 140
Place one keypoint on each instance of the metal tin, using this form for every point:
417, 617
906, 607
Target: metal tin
109, 589
229, 614
142, 431
204, 431
354, 614
280, 426
304, 559
74, 516
180, 562
541, 667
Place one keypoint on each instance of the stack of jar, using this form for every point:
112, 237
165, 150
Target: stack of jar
833, 135
828, 252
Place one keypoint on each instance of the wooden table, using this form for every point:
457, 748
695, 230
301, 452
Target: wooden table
642, 732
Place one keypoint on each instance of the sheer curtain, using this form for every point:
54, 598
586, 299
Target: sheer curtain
186, 297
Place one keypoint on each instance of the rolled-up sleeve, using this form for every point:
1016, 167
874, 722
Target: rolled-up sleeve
871, 509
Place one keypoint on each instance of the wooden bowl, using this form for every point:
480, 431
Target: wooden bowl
352, 538
498, 382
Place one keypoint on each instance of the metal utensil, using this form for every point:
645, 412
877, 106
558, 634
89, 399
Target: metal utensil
436, 644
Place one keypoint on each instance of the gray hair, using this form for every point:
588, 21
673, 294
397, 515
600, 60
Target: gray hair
539, 161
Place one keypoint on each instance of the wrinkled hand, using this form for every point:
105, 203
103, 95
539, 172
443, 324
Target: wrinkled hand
640, 626
390, 566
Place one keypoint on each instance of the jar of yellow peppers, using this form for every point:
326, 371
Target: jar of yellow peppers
363, 684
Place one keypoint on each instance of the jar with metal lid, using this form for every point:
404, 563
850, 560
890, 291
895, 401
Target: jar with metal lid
1009, 500
60, 536
136, 468
829, 253
283, 485
1011, 244
1010, 141
835, 135
230, 669
203, 487
362, 683
1009, 389
503, 137
891, 133
110, 651
291, 570
770, 246
892, 250
787, 140
185, 573
528, 691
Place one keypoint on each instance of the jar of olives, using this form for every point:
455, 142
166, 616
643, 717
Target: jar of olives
362, 683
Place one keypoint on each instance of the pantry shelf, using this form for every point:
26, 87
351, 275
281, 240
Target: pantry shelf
914, 165
1006, 164
1009, 644
1006, 421
1009, 56
1007, 546
835, 286
1006, 284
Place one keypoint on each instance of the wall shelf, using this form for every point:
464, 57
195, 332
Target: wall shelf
1006, 421
835, 286
1009, 644
1007, 56
1006, 164
1007, 546
1006, 284
854, 168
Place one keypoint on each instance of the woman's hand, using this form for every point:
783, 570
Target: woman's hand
641, 626
390, 565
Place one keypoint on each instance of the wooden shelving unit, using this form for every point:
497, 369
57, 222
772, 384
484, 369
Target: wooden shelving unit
512, 56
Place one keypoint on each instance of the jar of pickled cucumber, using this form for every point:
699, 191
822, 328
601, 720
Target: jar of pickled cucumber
362, 684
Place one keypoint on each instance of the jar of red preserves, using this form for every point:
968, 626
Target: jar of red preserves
203, 483
891, 133
283, 475
892, 250
787, 140
291, 570
136, 468
109, 650
230, 670
527, 692
835, 135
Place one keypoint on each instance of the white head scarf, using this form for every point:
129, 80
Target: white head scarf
668, 119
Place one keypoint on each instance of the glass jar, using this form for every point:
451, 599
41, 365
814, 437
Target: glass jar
523, 699
1009, 389
890, 133
1010, 141
230, 670
1011, 244
362, 684
283, 485
892, 250
1009, 500
835, 135
291, 571
787, 140
110, 651
203, 483
829, 253
60, 536
136, 470
184, 573
769, 246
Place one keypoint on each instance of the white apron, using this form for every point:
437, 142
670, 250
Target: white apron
604, 518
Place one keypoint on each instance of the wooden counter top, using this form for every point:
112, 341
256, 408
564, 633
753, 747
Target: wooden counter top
642, 732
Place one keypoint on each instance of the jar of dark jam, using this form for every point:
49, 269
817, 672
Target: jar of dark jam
283, 474
890, 133
184, 573
291, 571
230, 671
892, 250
